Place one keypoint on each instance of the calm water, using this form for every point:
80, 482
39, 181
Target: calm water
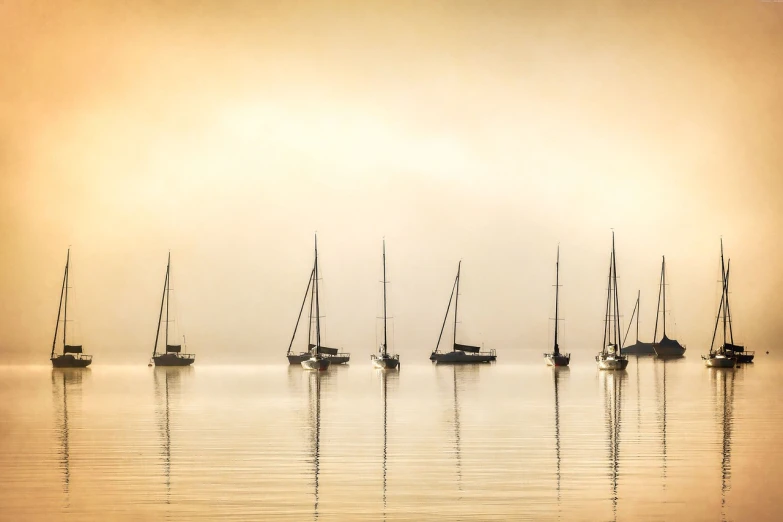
661, 441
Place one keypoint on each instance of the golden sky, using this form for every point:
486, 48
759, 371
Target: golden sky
229, 132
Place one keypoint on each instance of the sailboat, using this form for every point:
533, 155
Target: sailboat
460, 353
610, 357
173, 355
666, 347
639, 347
317, 356
383, 359
724, 355
72, 356
556, 358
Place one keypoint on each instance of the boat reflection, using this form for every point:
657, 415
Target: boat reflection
167, 382
613, 383
723, 389
387, 379
314, 382
66, 382
661, 393
559, 372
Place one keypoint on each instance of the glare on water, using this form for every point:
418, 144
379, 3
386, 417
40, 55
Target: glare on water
663, 440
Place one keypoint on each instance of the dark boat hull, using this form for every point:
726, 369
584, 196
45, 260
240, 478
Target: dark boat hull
173, 360
342, 358
744, 357
386, 363
559, 359
460, 357
69, 361
639, 348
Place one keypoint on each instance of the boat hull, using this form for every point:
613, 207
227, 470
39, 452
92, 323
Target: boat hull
557, 359
342, 358
639, 348
298, 359
386, 363
69, 361
719, 361
173, 360
669, 351
460, 357
611, 363
744, 357
318, 364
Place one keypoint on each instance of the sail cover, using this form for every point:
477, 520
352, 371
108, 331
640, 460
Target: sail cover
325, 350
666, 342
734, 347
467, 348
173, 348
69, 348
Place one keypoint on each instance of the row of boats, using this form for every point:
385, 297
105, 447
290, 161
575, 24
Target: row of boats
317, 356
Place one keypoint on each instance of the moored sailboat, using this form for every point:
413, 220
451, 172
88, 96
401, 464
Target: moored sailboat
723, 356
173, 355
610, 357
557, 358
317, 357
72, 356
666, 347
460, 353
384, 360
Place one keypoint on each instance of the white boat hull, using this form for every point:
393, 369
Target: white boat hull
460, 357
316, 363
611, 362
557, 359
719, 361
386, 363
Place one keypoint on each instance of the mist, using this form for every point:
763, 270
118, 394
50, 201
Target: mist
230, 133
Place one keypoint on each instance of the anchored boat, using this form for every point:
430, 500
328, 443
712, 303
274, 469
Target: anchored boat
556, 358
666, 347
72, 356
384, 360
724, 356
317, 356
460, 353
173, 356
610, 357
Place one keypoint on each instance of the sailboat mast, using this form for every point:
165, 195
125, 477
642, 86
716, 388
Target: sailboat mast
725, 290
618, 344
299, 317
317, 304
717, 317
607, 336
65, 308
663, 290
160, 315
168, 297
728, 308
557, 297
456, 302
638, 313
59, 309
384, 300
445, 317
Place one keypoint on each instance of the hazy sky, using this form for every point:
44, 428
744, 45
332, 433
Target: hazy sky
229, 132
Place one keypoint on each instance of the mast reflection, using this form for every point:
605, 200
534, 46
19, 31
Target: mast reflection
314, 388
386, 378
557, 371
167, 382
723, 387
63, 380
661, 384
613, 397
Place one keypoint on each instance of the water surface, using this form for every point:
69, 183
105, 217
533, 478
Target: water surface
660, 441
